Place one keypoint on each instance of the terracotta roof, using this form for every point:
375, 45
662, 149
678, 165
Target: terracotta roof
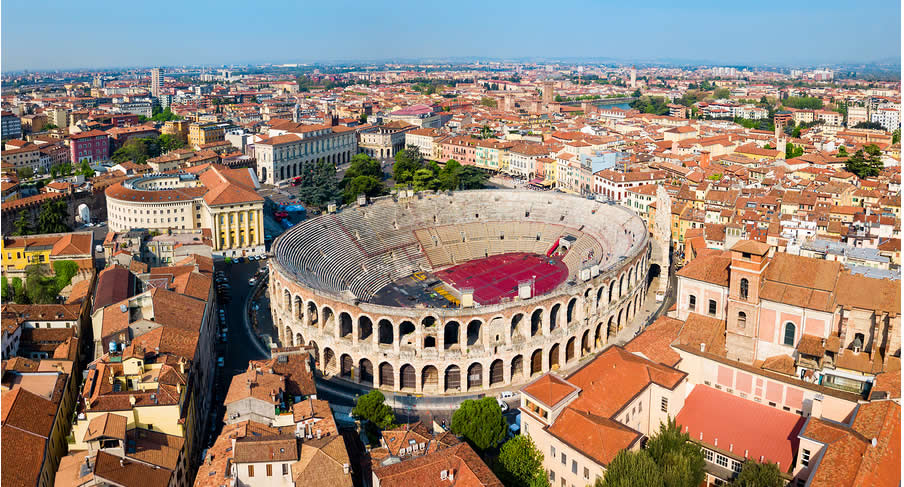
594, 436
751, 247
712, 268
549, 389
424, 471
262, 386
275, 449
129, 473
107, 425
321, 462
850, 459
656, 339
740, 427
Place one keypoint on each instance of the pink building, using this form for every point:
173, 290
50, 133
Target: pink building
93, 146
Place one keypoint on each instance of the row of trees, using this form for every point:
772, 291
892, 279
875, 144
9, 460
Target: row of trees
160, 115
866, 162
651, 104
412, 170
803, 102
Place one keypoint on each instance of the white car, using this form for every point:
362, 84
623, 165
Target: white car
506, 394
502, 405
252, 281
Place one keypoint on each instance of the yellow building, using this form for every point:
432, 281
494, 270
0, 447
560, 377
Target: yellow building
223, 200
205, 133
21, 252
179, 128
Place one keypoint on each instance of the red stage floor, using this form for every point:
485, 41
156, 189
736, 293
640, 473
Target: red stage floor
497, 277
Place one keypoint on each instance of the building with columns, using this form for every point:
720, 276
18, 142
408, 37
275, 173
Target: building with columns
223, 200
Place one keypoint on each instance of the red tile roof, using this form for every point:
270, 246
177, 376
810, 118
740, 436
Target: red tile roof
740, 426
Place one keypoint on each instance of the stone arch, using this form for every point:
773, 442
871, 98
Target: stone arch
299, 340
450, 334
407, 378
299, 308
599, 295
517, 369
385, 332
315, 352
345, 325
428, 322
429, 341
536, 362
569, 350
475, 375
554, 357
312, 314
611, 329
452, 378
554, 316
515, 330
429, 379
621, 285
328, 317
598, 336
365, 371
619, 322
497, 373
346, 365
536, 322
585, 343
287, 300
365, 327
387, 375
287, 336
329, 361
569, 311
405, 328
611, 289
475, 333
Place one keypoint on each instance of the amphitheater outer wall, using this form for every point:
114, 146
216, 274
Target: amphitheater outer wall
447, 351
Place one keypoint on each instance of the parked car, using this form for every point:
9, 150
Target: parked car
502, 405
252, 282
506, 394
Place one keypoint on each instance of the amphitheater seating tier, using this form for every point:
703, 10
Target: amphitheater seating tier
364, 249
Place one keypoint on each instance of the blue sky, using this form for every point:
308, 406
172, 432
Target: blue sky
38, 34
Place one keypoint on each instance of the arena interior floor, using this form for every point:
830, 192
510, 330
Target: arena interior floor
496, 277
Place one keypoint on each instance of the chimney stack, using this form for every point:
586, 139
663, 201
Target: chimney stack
345, 468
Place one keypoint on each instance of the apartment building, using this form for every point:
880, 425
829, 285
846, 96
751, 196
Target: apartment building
292, 148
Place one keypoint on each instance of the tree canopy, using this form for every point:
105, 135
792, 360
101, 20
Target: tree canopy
756, 474
632, 468
803, 102
869, 125
364, 176
866, 162
410, 169
520, 463
651, 104
372, 407
318, 185
52, 218
680, 461
480, 422
792, 151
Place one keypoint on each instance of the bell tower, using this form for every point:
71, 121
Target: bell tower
749, 260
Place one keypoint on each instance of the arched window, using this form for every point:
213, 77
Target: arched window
742, 320
744, 288
713, 307
692, 303
789, 334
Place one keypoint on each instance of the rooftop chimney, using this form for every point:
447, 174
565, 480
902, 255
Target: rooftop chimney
702, 347
345, 468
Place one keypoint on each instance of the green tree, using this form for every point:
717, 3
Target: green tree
50, 126
169, 142
869, 125
39, 287
636, 93
720, 93
896, 136
364, 165
486, 132
520, 463
651, 104
424, 180
630, 469
372, 407
488, 102
5, 290
25, 173
85, 169
52, 218
471, 177
792, 151
680, 461
23, 225
449, 175
318, 185
366, 185
164, 115
18, 290
756, 474
866, 162
480, 422
842, 151
407, 162
803, 102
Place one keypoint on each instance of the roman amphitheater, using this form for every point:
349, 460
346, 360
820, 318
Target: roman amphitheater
446, 293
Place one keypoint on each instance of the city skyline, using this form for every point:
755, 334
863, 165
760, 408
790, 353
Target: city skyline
774, 35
